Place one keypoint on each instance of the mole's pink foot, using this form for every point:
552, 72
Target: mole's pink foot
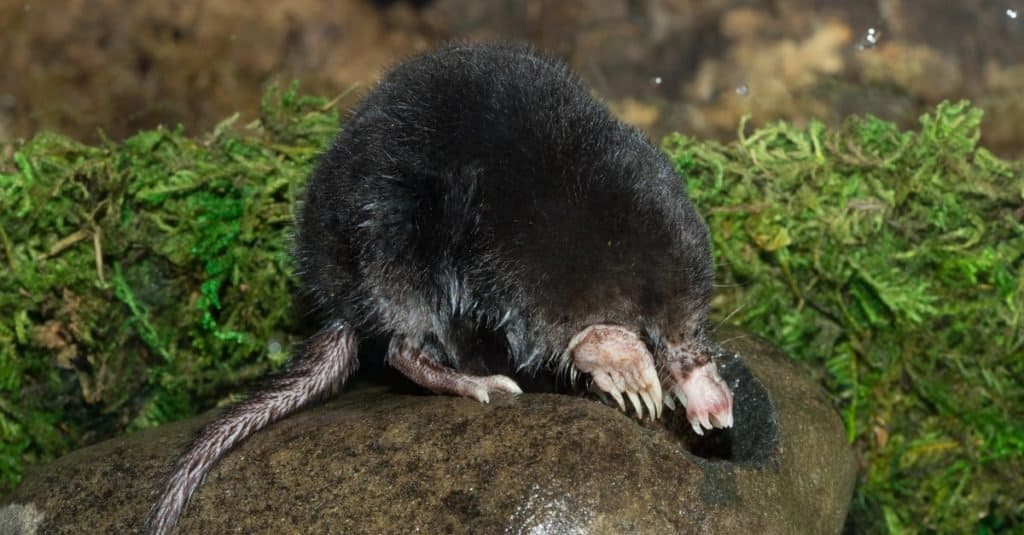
480, 388
706, 397
619, 363
417, 365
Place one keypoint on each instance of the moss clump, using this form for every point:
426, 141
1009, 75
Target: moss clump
894, 262
142, 280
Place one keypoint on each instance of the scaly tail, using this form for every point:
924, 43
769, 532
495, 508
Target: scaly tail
326, 362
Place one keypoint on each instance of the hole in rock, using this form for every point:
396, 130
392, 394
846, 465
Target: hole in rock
754, 436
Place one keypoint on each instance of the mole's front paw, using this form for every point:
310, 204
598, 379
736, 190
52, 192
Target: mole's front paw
619, 363
706, 397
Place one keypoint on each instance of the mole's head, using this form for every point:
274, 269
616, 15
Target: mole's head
651, 344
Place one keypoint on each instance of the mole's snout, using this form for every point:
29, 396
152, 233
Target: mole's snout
701, 390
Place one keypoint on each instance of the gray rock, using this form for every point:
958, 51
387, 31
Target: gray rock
375, 461
17, 519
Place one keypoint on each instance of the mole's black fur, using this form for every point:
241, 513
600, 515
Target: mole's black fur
479, 182
478, 188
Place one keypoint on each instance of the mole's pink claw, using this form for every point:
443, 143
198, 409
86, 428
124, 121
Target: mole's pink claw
706, 397
619, 363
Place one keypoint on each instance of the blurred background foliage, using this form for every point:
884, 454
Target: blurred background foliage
144, 280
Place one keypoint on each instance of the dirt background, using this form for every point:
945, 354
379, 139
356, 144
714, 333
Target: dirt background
95, 68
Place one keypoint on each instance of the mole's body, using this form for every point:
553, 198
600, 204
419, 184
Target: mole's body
482, 189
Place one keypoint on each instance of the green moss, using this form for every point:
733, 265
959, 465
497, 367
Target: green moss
894, 262
144, 280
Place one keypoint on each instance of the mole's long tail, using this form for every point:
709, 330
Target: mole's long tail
327, 360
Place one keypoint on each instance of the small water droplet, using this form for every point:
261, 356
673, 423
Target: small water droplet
656, 80
1012, 13
742, 90
274, 347
870, 39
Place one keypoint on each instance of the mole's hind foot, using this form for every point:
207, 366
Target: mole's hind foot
479, 388
416, 364
619, 363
